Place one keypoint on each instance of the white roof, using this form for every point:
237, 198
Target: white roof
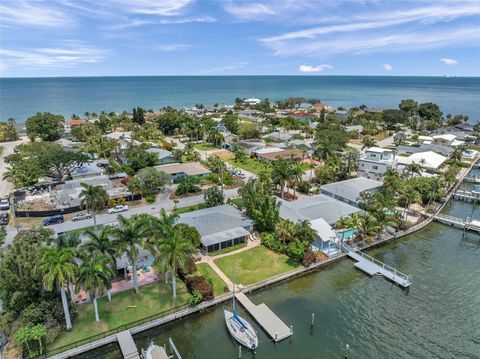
447, 137
268, 150
425, 138
432, 159
323, 229
378, 150
457, 143
118, 135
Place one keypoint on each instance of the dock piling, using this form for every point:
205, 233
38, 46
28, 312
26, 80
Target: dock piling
313, 319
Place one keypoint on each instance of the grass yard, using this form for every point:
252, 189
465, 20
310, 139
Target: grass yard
254, 265
218, 283
228, 249
251, 165
191, 208
238, 202
205, 147
125, 307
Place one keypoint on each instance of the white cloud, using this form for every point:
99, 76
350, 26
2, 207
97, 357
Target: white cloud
249, 10
234, 66
170, 47
387, 67
155, 7
72, 55
447, 61
397, 30
29, 14
318, 68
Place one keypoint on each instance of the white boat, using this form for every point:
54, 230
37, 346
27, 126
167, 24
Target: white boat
241, 330
156, 352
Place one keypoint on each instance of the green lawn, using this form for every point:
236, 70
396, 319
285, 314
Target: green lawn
191, 208
125, 307
218, 283
228, 249
81, 230
205, 147
254, 265
238, 202
250, 165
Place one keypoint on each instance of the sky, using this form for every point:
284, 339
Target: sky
239, 37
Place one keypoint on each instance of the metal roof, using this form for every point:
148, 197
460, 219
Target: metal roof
352, 188
314, 207
223, 236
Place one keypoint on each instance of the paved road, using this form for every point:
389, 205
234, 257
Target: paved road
5, 186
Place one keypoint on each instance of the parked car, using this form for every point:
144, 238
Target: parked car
4, 204
4, 219
117, 209
241, 175
81, 216
58, 218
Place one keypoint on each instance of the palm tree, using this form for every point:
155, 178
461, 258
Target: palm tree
368, 142
285, 231
93, 198
350, 160
413, 168
172, 253
130, 235
281, 173
68, 240
58, 268
101, 243
369, 227
410, 196
296, 173
95, 275
324, 149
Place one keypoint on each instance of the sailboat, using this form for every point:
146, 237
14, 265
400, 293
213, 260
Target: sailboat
239, 328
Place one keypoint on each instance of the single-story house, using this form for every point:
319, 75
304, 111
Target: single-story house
178, 170
278, 136
88, 170
349, 191
314, 207
353, 128
444, 140
425, 139
410, 150
271, 156
327, 239
429, 160
77, 122
219, 227
163, 156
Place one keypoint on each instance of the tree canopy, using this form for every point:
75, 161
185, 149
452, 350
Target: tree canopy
45, 125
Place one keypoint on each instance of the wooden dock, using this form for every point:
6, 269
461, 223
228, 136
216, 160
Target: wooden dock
372, 267
127, 345
466, 224
471, 179
466, 196
273, 325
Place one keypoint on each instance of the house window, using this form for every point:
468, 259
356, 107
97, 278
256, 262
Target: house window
375, 167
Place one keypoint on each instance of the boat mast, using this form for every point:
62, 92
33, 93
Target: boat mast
233, 296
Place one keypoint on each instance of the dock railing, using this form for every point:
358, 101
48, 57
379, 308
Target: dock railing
396, 272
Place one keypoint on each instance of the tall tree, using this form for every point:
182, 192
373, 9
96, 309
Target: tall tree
94, 198
95, 275
281, 173
59, 268
130, 235
45, 125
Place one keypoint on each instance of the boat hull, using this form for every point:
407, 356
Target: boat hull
241, 330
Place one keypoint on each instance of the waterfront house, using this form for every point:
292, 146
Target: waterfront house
179, 170
314, 207
376, 162
219, 227
349, 191
427, 160
278, 136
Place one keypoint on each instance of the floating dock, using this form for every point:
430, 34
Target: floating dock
273, 325
472, 179
466, 224
372, 267
467, 196
127, 345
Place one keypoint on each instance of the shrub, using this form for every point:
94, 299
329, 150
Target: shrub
195, 298
121, 200
309, 257
128, 170
112, 203
197, 282
190, 268
303, 187
150, 198
270, 240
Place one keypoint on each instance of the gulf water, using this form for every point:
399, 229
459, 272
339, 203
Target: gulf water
23, 97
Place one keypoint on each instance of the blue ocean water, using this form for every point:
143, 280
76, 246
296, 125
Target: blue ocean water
22, 97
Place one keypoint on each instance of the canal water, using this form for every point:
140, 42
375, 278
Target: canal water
438, 317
